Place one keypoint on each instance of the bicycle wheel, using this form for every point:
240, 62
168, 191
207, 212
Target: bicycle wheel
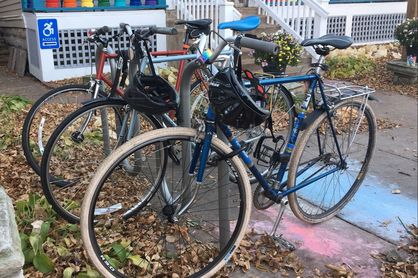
45, 115
331, 183
130, 228
79, 144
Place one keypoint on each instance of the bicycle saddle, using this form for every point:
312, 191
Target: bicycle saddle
246, 24
340, 42
199, 23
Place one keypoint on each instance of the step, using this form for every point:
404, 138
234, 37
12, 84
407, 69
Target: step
11, 257
247, 11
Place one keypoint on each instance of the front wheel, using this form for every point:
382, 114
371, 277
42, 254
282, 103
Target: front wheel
130, 227
331, 182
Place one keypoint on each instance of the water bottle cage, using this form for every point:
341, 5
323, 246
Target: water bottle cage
268, 156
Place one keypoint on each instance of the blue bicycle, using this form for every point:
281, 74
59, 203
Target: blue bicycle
132, 226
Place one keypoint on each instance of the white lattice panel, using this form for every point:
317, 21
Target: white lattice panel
368, 28
336, 25
75, 53
72, 58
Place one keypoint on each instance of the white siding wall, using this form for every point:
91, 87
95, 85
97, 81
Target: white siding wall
11, 14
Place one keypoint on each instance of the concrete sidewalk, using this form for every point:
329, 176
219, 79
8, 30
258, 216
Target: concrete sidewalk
27, 86
367, 225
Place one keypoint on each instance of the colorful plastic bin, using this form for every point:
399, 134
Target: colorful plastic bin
103, 3
69, 4
151, 2
120, 3
87, 3
52, 3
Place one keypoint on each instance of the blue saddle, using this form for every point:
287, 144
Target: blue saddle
246, 24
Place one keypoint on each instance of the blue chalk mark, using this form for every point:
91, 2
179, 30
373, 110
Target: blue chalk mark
376, 209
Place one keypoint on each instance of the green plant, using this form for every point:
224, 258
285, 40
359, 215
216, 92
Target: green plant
32, 209
10, 108
407, 33
29, 214
289, 51
345, 67
12, 104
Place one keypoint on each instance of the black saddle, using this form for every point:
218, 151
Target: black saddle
196, 26
199, 23
340, 42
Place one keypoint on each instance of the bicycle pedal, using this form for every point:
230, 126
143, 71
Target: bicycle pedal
283, 243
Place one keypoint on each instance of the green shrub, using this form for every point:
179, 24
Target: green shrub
10, 109
346, 67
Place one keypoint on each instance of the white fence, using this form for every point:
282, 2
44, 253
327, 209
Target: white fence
364, 22
218, 10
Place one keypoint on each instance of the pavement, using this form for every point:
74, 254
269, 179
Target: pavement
368, 224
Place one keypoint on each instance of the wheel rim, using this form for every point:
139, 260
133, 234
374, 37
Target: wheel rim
355, 133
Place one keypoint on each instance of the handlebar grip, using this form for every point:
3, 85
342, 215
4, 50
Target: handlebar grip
103, 30
180, 22
164, 30
260, 45
127, 28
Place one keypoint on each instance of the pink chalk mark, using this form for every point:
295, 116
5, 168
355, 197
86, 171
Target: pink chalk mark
312, 237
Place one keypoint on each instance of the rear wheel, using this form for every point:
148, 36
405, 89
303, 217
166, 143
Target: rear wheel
316, 162
130, 228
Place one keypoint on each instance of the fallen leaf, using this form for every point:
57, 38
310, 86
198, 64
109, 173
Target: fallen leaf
396, 191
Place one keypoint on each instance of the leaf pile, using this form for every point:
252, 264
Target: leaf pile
37, 224
263, 253
403, 262
379, 77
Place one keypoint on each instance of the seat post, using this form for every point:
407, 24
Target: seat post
319, 62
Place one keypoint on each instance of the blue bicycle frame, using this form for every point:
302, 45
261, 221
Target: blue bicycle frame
202, 149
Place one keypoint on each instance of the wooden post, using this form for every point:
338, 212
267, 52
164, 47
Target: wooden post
412, 9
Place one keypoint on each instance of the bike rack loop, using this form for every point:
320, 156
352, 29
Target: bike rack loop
223, 177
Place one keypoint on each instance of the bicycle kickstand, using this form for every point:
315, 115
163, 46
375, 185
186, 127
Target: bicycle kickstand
280, 241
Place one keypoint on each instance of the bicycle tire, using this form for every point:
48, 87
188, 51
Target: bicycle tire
312, 209
99, 194
71, 157
31, 153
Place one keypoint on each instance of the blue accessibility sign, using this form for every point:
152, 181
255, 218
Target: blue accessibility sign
48, 33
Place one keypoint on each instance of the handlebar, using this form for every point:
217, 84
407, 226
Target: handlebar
102, 31
145, 32
255, 44
126, 28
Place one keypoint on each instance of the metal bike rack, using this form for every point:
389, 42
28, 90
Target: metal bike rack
223, 177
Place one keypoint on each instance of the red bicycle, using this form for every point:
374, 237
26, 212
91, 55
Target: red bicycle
49, 110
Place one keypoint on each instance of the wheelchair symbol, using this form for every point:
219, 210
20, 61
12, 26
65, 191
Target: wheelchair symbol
48, 30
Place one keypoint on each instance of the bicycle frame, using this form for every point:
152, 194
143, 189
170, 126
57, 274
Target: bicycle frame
202, 149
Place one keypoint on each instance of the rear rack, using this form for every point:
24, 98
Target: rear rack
338, 92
